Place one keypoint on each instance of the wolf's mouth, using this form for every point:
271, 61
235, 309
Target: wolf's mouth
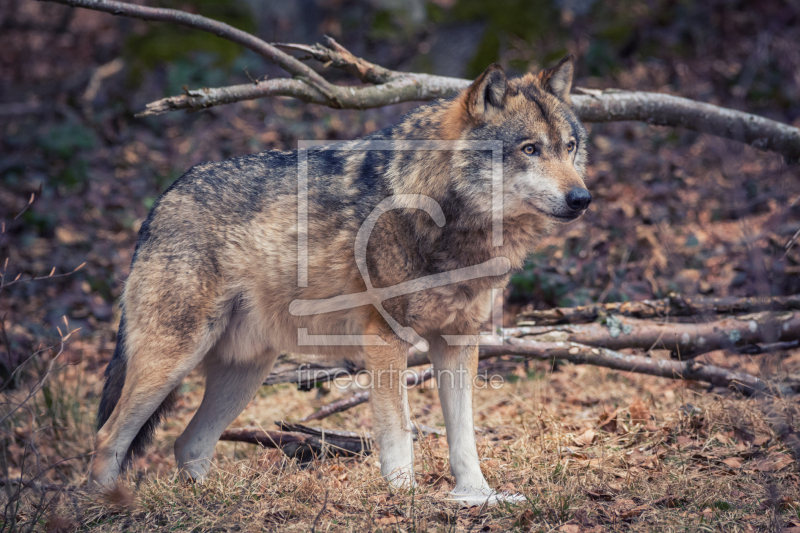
561, 218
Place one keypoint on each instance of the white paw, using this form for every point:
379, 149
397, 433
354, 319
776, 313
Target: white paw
470, 497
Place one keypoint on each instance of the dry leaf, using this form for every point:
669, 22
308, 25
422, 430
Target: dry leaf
525, 520
722, 438
599, 495
628, 509
639, 411
584, 439
773, 462
733, 462
760, 441
608, 421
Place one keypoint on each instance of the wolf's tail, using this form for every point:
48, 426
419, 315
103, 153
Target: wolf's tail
112, 390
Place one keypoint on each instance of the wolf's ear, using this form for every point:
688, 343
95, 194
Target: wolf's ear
558, 80
487, 94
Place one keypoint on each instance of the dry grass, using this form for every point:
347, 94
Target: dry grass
588, 447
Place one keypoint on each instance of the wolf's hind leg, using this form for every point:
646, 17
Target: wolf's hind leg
229, 388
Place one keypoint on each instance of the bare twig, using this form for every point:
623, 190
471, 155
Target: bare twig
602, 106
338, 406
674, 305
32, 483
316, 519
51, 275
37, 386
307, 376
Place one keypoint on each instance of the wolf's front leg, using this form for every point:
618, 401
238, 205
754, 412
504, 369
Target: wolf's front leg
390, 412
455, 368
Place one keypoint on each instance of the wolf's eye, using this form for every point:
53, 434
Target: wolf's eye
571, 146
531, 149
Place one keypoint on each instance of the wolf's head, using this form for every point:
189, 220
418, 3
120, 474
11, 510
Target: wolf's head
544, 143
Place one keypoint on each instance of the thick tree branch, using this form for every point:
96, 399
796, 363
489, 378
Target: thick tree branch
495, 346
667, 110
491, 346
684, 340
580, 354
674, 305
392, 87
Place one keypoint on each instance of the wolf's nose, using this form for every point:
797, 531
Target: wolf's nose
578, 198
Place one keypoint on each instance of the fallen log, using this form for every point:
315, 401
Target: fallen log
672, 306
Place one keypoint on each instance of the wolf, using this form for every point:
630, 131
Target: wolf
216, 270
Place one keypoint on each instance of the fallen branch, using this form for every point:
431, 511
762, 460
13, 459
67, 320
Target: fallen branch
302, 442
392, 87
491, 346
674, 305
587, 355
412, 379
496, 346
684, 340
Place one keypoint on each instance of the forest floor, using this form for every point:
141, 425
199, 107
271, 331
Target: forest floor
590, 448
